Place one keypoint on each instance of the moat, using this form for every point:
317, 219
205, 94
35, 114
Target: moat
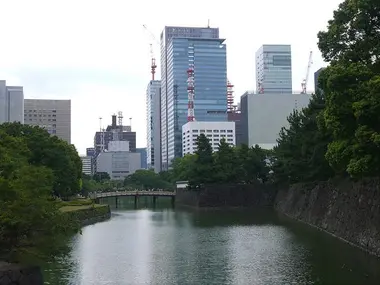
162, 246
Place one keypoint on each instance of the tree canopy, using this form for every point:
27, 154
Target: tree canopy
339, 132
146, 179
228, 165
33, 165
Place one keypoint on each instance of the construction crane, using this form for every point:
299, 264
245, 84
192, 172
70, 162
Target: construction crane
306, 79
153, 65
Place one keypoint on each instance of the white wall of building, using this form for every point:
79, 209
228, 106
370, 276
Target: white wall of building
118, 146
118, 164
267, 114
87, 165
214, 131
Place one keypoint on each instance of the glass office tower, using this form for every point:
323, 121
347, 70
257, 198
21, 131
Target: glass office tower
179, 47
274, 69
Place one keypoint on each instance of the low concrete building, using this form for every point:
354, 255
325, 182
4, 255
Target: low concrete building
214, 131
118, 161
263, 116
87, 165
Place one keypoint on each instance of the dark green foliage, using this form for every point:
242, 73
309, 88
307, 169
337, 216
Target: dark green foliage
51, 152
339, 132
351, 85
29, 217
203, 170
353, 34
226, 170
229, 165
146, 179
300, 153
101, 176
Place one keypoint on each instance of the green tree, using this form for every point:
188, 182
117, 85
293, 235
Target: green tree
28, 217
353, 36
101, 176
146, 179
203, 171
252, 164
183, 167
351, 85
225, 163
300, 153
53, 153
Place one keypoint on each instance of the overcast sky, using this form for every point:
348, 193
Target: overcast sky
96, 53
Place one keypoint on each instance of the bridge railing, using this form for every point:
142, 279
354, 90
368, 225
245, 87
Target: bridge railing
131, 193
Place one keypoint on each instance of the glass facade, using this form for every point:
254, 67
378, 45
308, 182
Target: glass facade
274, 69
208, 53
153, 116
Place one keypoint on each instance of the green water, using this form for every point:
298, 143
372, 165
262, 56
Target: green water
160, 245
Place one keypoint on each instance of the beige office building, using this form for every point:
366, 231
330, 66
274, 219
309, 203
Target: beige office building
53, 115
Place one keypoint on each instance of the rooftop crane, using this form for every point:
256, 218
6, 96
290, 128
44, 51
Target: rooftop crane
306, 79
153, 59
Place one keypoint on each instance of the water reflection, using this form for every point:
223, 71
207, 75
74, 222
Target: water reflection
166, 246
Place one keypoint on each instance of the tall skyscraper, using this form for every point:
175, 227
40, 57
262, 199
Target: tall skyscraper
153, 120
52, 115
202, 47
274, 69
11, 103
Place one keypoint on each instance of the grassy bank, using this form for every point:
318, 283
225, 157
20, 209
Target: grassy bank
84, 211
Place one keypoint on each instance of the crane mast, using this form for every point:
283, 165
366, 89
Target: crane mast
153, 65
306, 79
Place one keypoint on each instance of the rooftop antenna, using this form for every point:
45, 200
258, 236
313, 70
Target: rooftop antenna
101, 135
120, 119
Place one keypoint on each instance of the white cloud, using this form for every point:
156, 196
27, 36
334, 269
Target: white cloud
97, 52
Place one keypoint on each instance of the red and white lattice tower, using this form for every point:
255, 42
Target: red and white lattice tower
190, 93
230, 97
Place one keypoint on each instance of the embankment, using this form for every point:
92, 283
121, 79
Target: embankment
229, 196
87, 215
345, 209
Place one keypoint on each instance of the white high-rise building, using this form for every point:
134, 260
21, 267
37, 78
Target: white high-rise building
87, 165
274, 69
11, 103
214, 131
153, 121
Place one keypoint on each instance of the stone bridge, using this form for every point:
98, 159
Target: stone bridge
136, 194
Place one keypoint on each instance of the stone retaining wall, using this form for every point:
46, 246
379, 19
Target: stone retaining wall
227, 196
345, 209
12, 274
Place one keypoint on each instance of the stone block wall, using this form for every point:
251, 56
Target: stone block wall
227, 196
11, 274
345, 209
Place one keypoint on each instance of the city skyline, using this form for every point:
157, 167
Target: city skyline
106, 77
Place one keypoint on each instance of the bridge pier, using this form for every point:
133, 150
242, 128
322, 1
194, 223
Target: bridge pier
117, 201
154, 201
136, 200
